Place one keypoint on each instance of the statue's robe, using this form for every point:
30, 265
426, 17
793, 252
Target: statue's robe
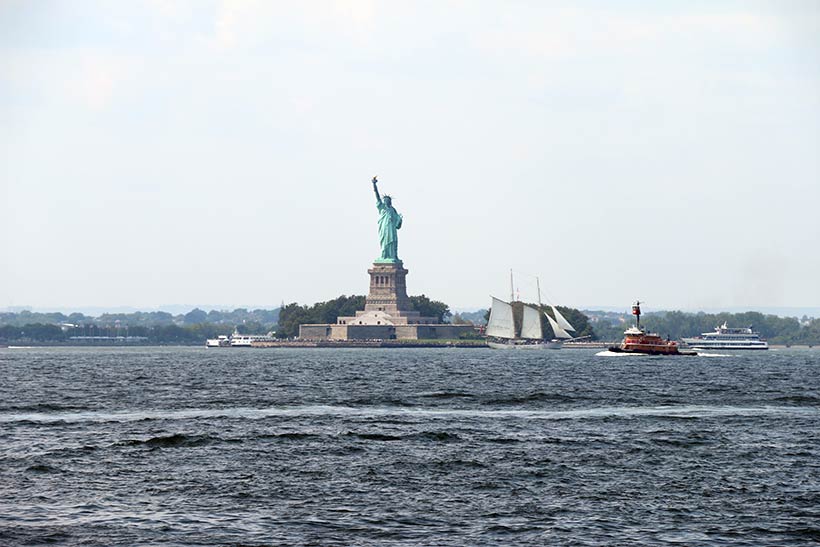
389, 223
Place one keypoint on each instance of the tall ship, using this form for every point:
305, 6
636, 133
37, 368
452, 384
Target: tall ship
501, 333
641, 341
725, 337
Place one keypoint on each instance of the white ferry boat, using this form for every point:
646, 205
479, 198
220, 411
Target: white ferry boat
237, 340
219, 342
728, 338
247, 340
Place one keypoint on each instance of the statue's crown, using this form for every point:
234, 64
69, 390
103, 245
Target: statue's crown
387, 196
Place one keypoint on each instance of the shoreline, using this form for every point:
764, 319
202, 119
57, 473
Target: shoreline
430, 343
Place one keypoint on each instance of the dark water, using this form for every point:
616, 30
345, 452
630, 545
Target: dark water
407, 447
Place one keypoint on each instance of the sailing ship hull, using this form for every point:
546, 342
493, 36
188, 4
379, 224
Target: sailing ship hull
539, 345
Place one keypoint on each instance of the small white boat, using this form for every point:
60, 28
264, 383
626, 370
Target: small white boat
247, 340
237, 340
219, 342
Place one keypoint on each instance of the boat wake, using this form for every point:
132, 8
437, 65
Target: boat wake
607, 353
702, 354
61, 418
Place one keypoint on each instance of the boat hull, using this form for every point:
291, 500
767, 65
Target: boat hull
697, 344
540, 345
651, 351
727, 348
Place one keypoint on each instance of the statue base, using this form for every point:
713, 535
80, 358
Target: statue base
388, 314
387, 302
388, 288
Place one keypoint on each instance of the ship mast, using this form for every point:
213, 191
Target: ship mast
512, 287
636, 311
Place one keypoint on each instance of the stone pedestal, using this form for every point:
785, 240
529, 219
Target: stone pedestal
388, 313
388, 289
387, 302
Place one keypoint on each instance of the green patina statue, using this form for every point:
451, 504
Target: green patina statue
389, 224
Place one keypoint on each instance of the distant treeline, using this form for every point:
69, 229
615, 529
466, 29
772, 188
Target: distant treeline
294, 315
475, 317
676, 324
197, 325
144, 319
157, 327
161, 334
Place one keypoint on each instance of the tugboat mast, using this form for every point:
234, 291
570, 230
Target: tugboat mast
636, 311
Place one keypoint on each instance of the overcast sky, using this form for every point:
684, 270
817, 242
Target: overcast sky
156, 153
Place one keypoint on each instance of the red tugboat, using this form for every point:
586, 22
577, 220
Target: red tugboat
637, 340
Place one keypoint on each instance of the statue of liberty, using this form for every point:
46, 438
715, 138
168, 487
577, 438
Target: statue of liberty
389, 224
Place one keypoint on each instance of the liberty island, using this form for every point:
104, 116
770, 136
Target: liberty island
388, 313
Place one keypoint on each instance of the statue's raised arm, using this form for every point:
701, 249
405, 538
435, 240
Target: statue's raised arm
376, 190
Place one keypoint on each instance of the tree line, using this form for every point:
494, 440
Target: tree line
144, 319
28, 327
160, 334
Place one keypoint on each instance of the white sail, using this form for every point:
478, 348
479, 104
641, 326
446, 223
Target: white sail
556, 328
563, 323
531, 324
501, 323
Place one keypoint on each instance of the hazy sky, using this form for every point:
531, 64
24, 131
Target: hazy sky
156, 153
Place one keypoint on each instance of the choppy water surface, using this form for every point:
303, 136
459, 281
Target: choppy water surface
189, 446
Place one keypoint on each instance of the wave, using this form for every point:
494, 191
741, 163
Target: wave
435, 436
445, 395
43, 468
607, 353
244, 413
369, 401
171, 441
42, 407
290, 435
799, 399
532, 397
374, 436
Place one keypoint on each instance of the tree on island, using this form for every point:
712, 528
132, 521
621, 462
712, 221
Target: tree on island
431, 308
